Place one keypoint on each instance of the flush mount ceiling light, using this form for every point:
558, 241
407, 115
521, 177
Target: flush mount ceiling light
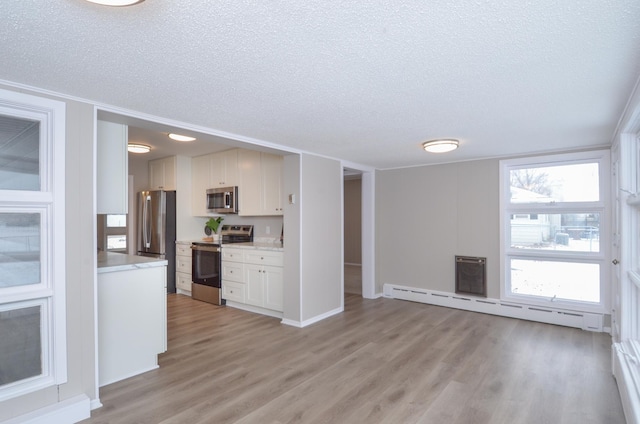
440, 146
178, 137
116, 2
138, 148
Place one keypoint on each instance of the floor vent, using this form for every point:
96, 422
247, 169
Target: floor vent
471, 275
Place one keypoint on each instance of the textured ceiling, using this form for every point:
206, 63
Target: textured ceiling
364, 81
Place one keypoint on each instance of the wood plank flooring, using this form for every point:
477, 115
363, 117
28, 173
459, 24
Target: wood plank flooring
381, 361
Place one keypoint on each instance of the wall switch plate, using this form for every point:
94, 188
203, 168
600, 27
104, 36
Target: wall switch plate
268, 230
292, 199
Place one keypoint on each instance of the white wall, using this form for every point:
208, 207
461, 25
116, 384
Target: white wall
425, 216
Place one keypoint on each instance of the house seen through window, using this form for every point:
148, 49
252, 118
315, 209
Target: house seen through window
556, 223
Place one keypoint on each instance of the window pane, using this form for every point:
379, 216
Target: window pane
20, 350
564, 183
560, 280
574, 232
19, 249
118, 242
19, 154
116, 220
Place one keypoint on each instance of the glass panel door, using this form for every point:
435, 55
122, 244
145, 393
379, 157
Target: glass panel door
19, 154
19, 249
32, 244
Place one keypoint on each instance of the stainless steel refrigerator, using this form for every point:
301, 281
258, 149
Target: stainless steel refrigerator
157, 229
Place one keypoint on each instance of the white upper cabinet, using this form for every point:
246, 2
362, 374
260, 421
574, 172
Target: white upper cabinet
224, 169
112, 168
271, 171
257, 175
249, 197
162, 174
260, 188
211, 171
200, 166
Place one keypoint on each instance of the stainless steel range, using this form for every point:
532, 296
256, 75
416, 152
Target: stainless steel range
205, 263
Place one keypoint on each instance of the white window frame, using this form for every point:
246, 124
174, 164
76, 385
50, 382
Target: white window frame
602, 206
50, 203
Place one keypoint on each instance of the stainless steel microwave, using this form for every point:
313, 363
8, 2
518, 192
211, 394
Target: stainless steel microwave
222, 200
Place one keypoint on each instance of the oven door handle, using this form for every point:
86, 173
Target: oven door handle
205, 248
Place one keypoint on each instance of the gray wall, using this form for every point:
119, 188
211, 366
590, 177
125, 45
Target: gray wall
292, 236
431, 214
353, 221
80, 260
320, 254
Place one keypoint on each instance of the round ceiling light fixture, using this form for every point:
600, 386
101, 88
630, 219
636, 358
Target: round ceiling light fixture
178, 137
440, 145
138, 148
116, 2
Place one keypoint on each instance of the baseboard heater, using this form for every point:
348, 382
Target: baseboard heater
567, 318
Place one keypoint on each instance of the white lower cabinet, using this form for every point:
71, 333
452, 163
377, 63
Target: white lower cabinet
253, 277
264, 286
183, 267
232, 291
132, 320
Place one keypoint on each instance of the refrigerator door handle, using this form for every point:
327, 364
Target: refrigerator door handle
146, 231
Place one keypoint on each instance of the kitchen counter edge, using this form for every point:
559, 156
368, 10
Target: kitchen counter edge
113, 262
263, 245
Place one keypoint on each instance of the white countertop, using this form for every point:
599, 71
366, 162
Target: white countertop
276, 246
112, 262
258, 243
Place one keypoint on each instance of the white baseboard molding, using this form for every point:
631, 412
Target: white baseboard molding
626, 370
584, 320
95, 404
254, 309
130, 374
301, 324
292, 323
68, 411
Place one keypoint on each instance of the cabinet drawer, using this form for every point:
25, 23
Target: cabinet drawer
233, 291
263, 257
232, 255
183, 281
183, 250
183, 264
232, 271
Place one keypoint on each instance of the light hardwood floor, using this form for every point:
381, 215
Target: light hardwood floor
381, 361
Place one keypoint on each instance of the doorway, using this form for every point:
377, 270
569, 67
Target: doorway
352, 232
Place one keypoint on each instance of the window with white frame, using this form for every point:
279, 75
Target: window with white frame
32, 257
554, 221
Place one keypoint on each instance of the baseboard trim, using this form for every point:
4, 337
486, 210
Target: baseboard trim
320, 317
291, 323
95, 404
577, 319
317, 318
626, 370
254, 309
71, 410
